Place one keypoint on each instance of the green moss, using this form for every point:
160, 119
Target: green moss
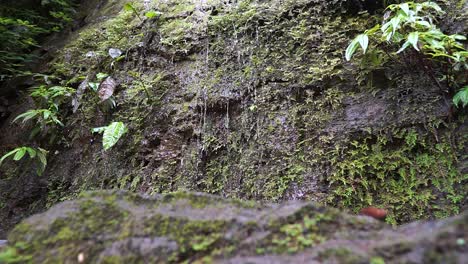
14, 254
401, 172
192, 236
341, 255
90, 46
297, 234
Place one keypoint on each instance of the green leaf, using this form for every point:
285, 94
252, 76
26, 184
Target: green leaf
424, 24
129, 7
32, 152
94, 86
41, 154
405, 8
55, 119
151, 14
112, 134
101, 76
351, 49
8, 154
460, 97
98, 129
364, 42
458, 37
405, 45
413, 38
19, 154
46, 114
26, 116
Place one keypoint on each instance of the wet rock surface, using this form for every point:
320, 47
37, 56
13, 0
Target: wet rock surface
122, 227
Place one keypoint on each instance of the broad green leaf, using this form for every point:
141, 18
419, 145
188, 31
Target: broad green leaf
19, 154
386, 26
112, 134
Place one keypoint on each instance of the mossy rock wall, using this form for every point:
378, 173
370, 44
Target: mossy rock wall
254, 100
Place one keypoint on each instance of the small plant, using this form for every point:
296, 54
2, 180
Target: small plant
150, 14
48, 101
461, 97
53, 96
111, 133
43, 116
131, 8
412, 25
34, 153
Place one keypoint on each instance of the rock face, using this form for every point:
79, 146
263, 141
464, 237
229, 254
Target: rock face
122, 227
244, 99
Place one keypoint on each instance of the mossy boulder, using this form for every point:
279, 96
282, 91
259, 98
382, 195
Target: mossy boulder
123, 227
253, 100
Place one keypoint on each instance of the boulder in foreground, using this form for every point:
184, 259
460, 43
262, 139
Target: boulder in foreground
122, 227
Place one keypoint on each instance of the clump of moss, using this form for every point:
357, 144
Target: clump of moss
402, 172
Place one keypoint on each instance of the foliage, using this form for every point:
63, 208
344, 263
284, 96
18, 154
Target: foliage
461, 97
111, 133
23, 25
47, 115
53, 96
11, 255
43, 116
130, 7
412, 25
296, 237
34, 153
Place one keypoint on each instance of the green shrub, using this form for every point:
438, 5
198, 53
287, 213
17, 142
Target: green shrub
413, 25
